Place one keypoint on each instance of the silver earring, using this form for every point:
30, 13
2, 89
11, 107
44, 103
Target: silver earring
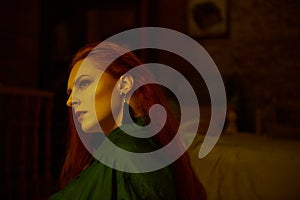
123, 95
126, 108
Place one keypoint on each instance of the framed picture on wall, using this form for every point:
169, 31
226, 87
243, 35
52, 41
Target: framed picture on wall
207, 18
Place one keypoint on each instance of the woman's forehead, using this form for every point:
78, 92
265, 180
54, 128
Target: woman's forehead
86, 67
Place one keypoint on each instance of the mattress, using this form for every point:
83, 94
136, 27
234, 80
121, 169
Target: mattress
248, 166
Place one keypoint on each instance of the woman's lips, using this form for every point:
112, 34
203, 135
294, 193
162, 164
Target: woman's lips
79, 115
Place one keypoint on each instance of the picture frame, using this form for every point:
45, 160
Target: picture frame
207, 18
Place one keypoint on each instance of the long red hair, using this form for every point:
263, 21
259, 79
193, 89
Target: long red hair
78, 157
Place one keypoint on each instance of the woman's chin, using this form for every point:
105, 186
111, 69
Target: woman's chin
90, 129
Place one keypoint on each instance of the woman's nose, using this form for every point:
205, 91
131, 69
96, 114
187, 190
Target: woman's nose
71, 102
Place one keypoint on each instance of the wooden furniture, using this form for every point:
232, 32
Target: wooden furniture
25, 142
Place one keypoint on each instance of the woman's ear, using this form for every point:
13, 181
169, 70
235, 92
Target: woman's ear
126, 83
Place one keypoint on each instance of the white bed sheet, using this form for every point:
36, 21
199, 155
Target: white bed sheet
245, 166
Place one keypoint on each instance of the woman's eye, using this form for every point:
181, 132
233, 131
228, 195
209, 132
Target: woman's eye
84, 83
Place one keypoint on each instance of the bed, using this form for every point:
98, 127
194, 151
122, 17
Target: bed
248, 166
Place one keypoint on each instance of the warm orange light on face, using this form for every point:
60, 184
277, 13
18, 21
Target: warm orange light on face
92, 99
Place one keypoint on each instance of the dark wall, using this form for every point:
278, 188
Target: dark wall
257, 58
20, 39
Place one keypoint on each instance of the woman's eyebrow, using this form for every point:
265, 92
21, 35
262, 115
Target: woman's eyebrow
80, 77
69, 90
76, 82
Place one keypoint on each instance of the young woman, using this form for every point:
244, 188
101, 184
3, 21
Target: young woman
83, 176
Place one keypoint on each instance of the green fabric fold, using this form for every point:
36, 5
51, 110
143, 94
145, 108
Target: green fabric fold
101, 182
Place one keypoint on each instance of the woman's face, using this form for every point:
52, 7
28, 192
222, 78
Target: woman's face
91, 99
